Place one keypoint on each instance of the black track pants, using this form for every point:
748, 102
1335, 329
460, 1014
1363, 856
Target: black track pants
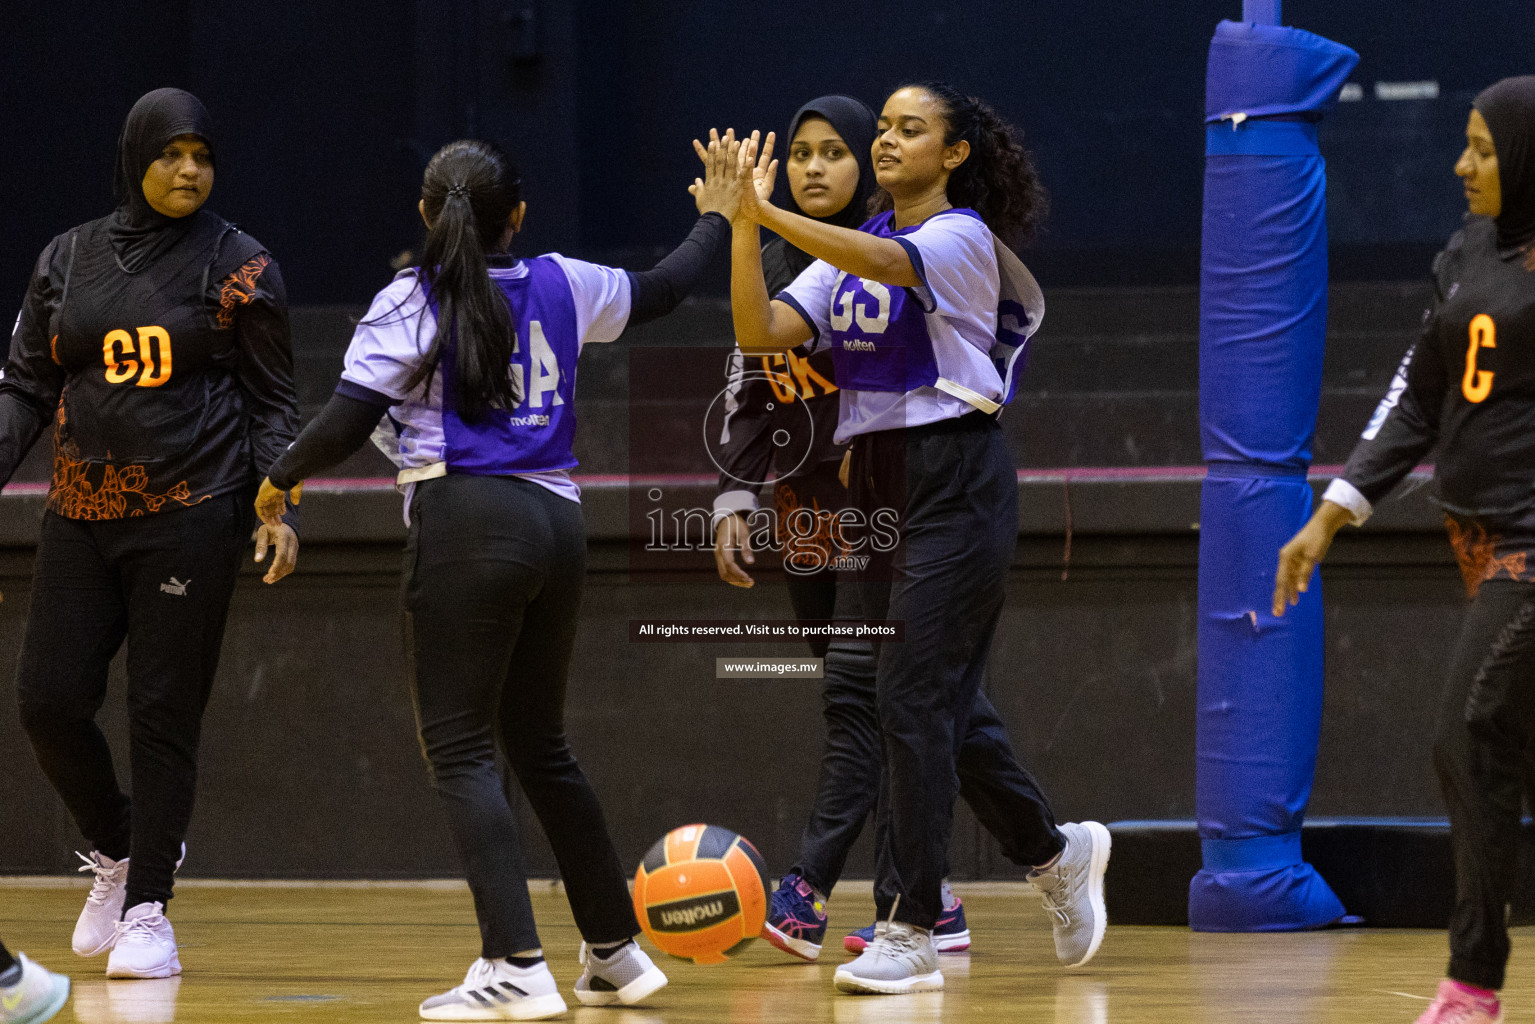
1486, 725
163, 583
494, 567
848, 786
956, 490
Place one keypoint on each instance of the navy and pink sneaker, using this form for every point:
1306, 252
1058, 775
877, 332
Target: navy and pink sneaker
950, 933
796, 920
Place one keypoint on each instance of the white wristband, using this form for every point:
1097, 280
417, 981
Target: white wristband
1341, 492
741, 502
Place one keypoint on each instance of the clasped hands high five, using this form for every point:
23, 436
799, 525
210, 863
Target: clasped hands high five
729, 165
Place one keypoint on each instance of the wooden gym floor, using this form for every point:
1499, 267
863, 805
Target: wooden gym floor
337, 954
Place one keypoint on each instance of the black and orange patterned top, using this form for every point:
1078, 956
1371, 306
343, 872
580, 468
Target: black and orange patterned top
166, 386
780, 415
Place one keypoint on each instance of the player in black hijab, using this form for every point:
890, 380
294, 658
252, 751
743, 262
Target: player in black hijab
854, 124
1507, 108
1468, 386
155, 339
769, 396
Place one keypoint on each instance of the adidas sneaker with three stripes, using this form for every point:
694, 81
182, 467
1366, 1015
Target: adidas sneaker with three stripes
498, 990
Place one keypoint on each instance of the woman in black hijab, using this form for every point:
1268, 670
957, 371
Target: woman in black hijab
1468, 386
831, 177
155, 340
843, 120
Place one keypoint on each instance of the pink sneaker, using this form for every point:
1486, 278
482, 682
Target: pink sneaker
1455, 1004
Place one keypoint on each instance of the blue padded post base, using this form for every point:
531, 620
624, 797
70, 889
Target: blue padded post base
1259, 885
1260, 710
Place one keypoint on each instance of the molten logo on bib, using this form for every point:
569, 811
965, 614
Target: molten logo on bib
692, 914
858, 345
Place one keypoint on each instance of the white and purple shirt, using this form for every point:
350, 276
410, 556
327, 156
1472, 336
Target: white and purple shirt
558, 305
909, 356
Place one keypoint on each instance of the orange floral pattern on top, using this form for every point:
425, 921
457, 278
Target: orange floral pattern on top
240, 287
1476, 551
121, 492
809, 550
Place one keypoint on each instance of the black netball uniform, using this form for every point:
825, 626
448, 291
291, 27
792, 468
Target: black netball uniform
1469, 386
158, 349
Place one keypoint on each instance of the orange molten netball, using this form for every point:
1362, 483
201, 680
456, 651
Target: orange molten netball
701, 893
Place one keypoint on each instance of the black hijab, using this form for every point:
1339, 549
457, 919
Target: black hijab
1508, 107
855, 122
138, 232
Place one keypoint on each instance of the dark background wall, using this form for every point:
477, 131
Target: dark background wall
327, 113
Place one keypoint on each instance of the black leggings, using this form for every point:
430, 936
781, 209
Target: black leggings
1485, 729
493, 568
163, 583
848, 783
6, 960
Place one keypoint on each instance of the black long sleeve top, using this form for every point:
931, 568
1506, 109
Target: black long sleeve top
780, 411
1466, 387
166, 387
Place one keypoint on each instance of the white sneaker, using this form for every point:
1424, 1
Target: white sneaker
497, 990
627, 976
145, 946
36, 996
97, 928
900, 959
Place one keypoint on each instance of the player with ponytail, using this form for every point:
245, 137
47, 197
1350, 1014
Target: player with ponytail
455, 273
925, 310
470, 361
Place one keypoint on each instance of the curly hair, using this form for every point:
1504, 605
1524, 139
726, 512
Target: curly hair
998, 180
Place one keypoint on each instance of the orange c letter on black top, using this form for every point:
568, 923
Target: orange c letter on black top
1477, 384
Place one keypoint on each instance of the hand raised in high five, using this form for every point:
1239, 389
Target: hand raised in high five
718, 191
756, 161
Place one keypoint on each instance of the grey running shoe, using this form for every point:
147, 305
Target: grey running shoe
900, 959
1072, 892
626, 977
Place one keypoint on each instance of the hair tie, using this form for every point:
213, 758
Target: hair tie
458, 190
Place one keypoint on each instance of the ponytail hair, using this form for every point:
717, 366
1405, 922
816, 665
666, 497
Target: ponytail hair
998, 179
469, 190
